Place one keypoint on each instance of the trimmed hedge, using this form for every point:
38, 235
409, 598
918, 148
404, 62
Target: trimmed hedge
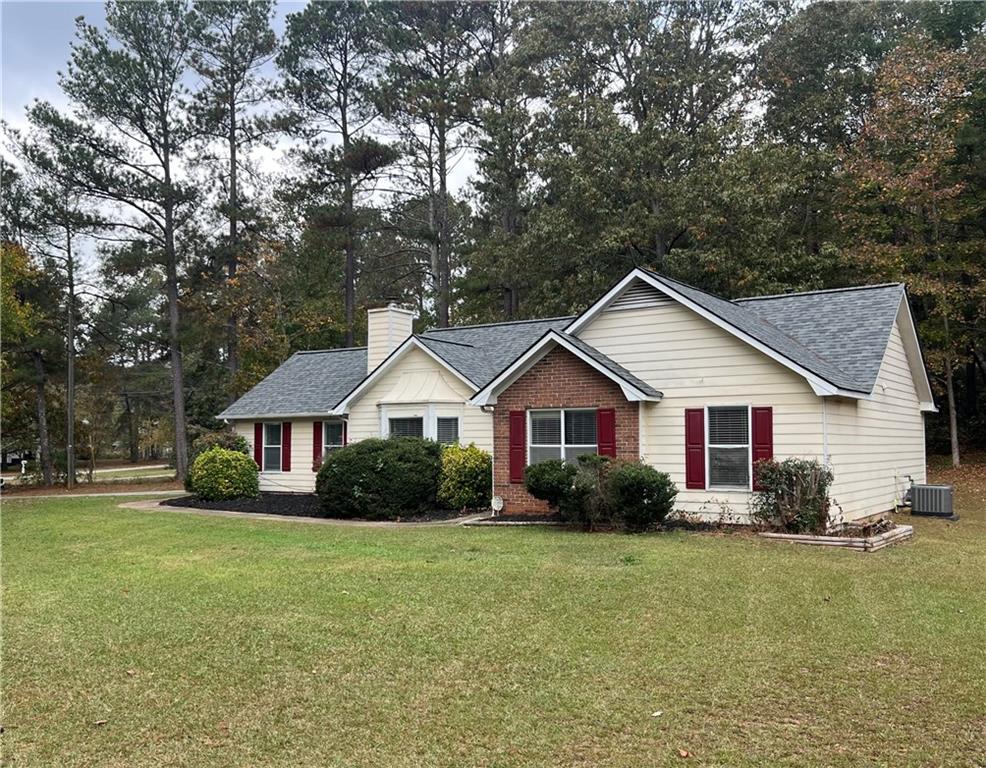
598, 492
640, 495
219, 474
467, 477
380, 479
550, 481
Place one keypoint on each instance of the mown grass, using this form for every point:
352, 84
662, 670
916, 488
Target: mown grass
147, 639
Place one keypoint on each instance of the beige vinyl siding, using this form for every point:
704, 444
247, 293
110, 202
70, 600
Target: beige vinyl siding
874, 444
301, 478
696, 364
419, 386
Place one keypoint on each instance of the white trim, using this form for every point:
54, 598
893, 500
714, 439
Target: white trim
561, 432
488, 394
926, 398
748, 446
818, 385
389, 362
272, 417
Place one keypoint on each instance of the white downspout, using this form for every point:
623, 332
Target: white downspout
825, 434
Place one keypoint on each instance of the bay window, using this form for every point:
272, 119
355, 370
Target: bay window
447, 429
407, 427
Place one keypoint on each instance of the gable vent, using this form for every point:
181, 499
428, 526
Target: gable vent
638, 295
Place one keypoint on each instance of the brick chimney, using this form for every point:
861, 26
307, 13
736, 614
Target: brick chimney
386, 329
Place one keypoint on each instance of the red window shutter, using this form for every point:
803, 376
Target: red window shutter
316, 446
258, 444
763, 438
695, 448
518, 445
286, 446
606, 432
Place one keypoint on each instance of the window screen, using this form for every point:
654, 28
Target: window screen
272, 447
729, 446
332, 435
411, 427
448, 429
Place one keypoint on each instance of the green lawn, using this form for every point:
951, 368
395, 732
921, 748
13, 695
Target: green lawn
148, 639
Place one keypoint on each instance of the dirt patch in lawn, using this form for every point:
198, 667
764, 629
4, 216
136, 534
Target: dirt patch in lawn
293, 505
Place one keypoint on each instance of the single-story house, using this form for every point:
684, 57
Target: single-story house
697, 386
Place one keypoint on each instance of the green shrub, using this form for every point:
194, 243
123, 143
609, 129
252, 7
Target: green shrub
640, 495
219, 474
793, 495
231, 441
380, 479
550, 481
467, 477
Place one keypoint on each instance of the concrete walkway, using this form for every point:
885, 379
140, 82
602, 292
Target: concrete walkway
155, 506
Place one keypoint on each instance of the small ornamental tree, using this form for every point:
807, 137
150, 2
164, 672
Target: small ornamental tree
793, 495
220, 474
466, 479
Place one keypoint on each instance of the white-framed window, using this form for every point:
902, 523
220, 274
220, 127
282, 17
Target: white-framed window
413, 426
447, 429
333, 436
563, 433
272, 447
728, 446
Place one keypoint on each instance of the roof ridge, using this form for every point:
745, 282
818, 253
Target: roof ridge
444, 341
819, 290
334, 349
502, 322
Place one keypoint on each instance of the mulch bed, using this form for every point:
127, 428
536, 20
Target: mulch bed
293, 505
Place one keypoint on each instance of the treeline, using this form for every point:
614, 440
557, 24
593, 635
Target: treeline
248, 194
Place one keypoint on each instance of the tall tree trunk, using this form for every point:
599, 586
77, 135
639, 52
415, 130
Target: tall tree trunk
44, 444
132, 441
232, 257
953, 425
70, 378
444, 276
350, 236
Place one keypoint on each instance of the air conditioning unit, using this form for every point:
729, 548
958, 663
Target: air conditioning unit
931, 500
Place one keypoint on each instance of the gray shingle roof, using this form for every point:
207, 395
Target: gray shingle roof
480, 352
839, 335
306, 383
613, 366
803, 351
850, 325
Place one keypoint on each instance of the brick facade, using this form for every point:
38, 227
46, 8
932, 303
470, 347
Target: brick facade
558, 380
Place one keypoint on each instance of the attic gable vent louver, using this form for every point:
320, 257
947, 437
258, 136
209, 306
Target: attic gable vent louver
638, 295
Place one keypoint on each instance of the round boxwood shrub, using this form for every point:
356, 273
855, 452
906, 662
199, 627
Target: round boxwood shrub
380, 479
219, 474
467, 477
639, 494
231, 441
550, 481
